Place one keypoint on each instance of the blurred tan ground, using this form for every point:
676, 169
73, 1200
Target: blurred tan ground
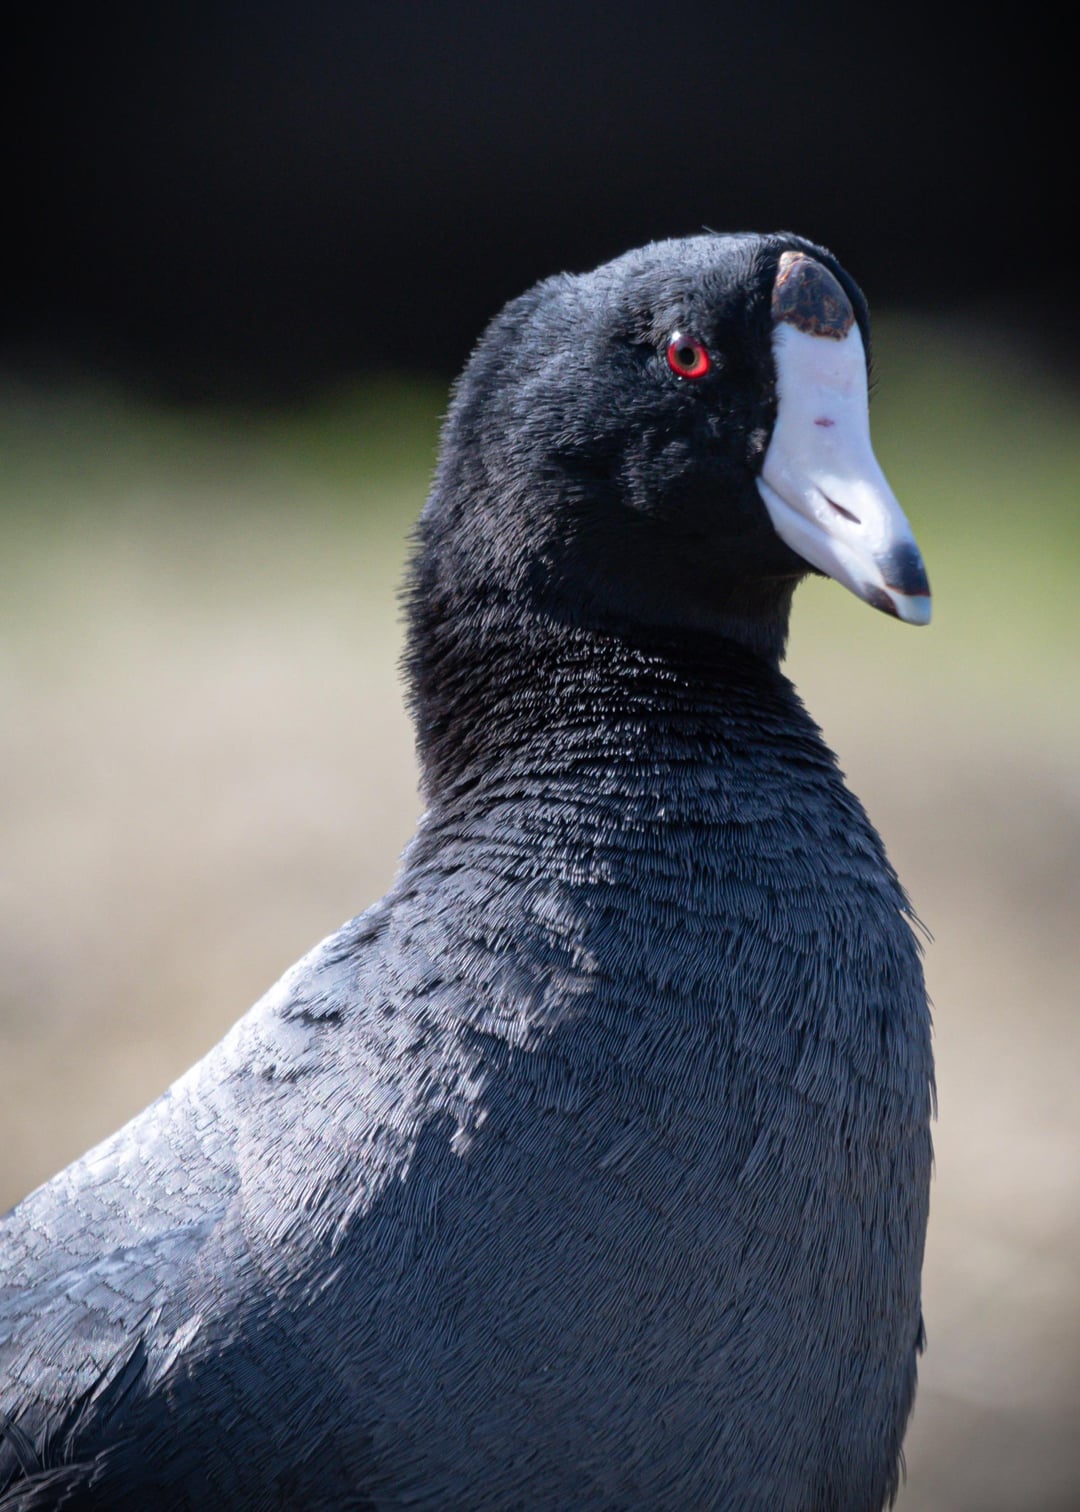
205, 767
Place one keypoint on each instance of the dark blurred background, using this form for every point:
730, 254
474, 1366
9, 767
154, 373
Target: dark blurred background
247, 248
228, 199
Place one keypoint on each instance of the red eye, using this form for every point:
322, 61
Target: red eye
687, 357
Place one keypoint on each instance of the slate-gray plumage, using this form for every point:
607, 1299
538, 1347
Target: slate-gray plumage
589, 1168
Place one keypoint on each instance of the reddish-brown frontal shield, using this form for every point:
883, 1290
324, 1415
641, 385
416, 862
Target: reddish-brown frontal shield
807, 296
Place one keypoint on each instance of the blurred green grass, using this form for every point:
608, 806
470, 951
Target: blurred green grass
985, 451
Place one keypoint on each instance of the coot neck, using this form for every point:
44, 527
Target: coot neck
511, 698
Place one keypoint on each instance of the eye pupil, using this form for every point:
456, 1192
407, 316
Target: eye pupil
687, 356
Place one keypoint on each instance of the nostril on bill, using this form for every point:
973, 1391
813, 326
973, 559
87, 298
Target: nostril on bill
847, 514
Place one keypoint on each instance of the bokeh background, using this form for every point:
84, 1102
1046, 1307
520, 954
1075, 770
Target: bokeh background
250, 246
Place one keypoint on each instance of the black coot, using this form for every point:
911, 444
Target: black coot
589, 1168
